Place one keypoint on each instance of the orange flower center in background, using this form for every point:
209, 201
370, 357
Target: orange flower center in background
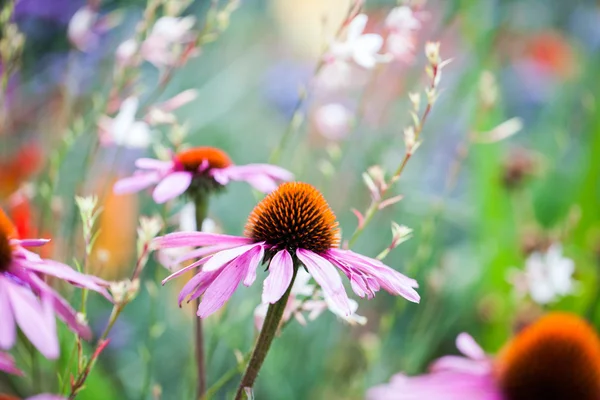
192, 159
558, 357
295, 215
7, 232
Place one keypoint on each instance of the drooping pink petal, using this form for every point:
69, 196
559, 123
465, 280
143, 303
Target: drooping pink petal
201, 252
136, 182
171, 186
30, 242
262, 183
7, 327
197, 239
281, 270
186, 269
62, 271
33, 320
61, 307
197, 285
7, 364
152, 164
461, 364
252, 259
223, 257
469, 347
46, 396
221, 289
327, 277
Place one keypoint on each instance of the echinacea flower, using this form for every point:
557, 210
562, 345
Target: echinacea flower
199, 168
7, 364
362, 48
28, 301
291, 226
557, 357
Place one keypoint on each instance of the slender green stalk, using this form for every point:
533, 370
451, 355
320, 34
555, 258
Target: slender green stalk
201, 204
267, 334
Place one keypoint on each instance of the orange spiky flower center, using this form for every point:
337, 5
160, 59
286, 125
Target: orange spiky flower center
558, 357
193, 158
7, 232
294, 216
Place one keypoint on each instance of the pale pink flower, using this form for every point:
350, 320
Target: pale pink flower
124, 129
333, 121
164, 44
362, 48
401, 45
402, 19
163, 113
198, 168
556, 357
293, 225
27, 301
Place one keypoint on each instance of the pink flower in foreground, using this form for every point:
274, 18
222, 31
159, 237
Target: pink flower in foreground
7, 364
199, 168
28, 301
557, 357
362, 48
291, 226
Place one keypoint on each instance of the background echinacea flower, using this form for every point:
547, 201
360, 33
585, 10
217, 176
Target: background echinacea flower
198, 169
291, 226
28, 301
557, 357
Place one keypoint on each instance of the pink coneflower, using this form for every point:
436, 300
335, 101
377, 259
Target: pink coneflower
28, 301
557, 357
290, 227
199, 168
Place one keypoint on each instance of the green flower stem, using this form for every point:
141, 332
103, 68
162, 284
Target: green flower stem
201, 205
267, 334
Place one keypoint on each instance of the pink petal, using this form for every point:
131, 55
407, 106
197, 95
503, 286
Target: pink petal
62, 271
223, 257
46, 396
196, 239
7, 364
201, 252
7, 327
151, 163
281, 270
197, 285
252, 259
186, 269
221, 289
327, 277
31, 242
35, 320
171, 186
469, 347
135, 183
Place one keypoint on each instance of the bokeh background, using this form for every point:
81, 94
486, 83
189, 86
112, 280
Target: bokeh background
478, 210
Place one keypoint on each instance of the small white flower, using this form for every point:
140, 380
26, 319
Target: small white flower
333, 121
549, 275
124, 130
125, 52
362, 48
